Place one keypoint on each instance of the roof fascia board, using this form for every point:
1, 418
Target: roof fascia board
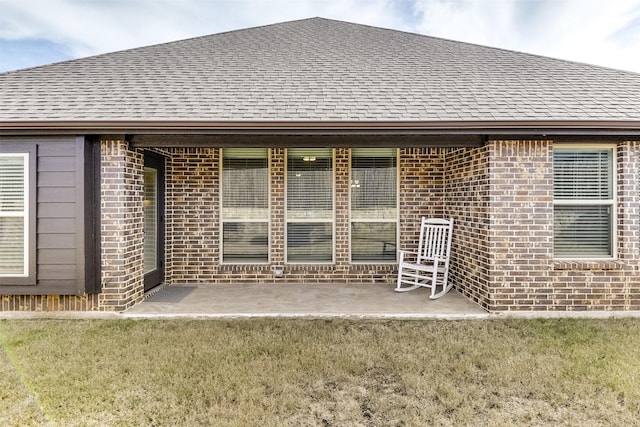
630, 127
220, 125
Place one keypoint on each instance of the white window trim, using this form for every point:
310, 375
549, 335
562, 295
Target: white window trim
25, 215
613, 203
331, 220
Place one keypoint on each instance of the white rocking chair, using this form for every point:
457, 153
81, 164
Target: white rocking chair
429, 267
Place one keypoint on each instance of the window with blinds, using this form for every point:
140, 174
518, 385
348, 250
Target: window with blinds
374, 204
310, 205
584, 200
245, 205
14, 251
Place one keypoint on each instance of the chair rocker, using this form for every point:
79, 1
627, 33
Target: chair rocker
429, 267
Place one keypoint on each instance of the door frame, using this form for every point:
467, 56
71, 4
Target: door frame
156, 277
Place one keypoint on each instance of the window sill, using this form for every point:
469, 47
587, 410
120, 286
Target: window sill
588, 265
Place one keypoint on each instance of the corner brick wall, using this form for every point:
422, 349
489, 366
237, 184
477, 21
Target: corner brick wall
422, 178
121, 225
467, 201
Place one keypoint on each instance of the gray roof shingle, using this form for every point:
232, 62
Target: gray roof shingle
318, 70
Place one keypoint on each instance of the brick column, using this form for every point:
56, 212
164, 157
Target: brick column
629, 219
277, 171
342, 214
122, 220
629, 202
520, 224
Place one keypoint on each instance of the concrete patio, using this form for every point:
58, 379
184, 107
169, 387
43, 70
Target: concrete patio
320, 301
302, 301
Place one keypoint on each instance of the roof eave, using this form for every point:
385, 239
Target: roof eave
495, 127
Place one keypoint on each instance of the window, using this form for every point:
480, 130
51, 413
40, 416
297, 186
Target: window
17, 216
245, 205
374, 204
309, 205
584, 201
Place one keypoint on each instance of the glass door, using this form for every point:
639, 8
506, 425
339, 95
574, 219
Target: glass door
153, 260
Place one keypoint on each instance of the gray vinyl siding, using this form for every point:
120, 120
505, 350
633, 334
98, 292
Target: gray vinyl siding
60, 217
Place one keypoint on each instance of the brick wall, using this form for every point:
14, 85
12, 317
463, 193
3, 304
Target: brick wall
121, 225
422, 178
193, 229
524, 275
49, 302
192, 215
467, 201
520, 224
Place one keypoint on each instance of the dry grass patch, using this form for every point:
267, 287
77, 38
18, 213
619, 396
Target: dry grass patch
18, 406
303, 372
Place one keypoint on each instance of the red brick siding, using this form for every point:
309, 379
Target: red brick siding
422, 178
192, 215
467, 201
49, 302
520, 224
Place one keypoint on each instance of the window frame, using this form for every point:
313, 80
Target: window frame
266, 220
612, 203
29, 152
396, 219
332, 220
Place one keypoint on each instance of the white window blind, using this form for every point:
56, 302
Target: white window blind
584, 200
245, 189
582, 231
245, 205
309, 205
14, 214
582, 175
374, 204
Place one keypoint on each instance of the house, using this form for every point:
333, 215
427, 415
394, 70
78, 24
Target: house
306, 152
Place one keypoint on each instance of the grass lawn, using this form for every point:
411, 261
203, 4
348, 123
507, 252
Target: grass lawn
316, 372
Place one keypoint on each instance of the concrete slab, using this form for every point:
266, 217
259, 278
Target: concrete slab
321, 301
59, 315
302, 301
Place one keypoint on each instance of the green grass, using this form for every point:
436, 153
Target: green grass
324, 373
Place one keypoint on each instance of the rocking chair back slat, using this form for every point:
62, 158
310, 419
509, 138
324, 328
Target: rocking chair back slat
433, 241
431, 266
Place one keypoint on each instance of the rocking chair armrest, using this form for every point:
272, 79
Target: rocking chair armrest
408, 252
402, 254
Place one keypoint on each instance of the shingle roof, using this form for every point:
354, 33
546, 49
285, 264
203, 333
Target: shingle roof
318, 70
